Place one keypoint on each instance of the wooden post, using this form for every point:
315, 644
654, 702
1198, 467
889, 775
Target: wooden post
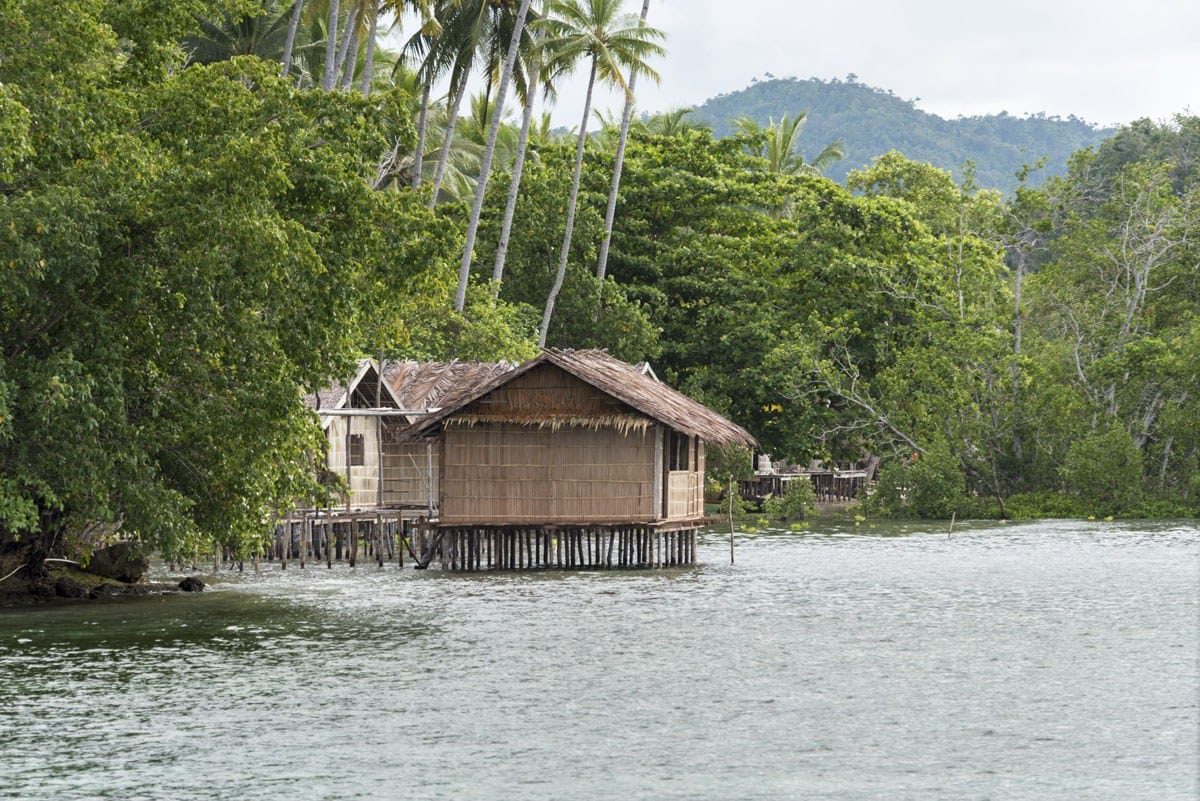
329, 543
731, 518
378, 538
286, 541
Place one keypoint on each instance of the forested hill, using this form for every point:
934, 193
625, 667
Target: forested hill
873, 121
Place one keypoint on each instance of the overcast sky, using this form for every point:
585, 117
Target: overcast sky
1105, 61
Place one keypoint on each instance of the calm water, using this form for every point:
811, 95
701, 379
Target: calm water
1040, 661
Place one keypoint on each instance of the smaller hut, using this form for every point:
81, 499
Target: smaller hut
365, 419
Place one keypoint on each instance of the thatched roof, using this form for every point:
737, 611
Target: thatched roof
633, 386
432, 385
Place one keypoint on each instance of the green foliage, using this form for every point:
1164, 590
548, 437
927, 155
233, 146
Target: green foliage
1048, 503
1104, 471
797, 503
927, 486
185, 252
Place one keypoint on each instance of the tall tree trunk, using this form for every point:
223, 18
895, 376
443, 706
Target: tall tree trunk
485, 166
571, 203
369, 66
347, 37
330, 48
514, 186
1017, 441
422, 128
610, 212
348, 69
444, 157
293, 24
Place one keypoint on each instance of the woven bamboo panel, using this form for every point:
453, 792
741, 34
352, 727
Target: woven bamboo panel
505, 472
407, 475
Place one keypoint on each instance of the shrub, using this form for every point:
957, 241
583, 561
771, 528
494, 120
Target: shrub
799, 501
930, 486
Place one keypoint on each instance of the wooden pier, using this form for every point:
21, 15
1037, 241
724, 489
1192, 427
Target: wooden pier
829, 485
382, 536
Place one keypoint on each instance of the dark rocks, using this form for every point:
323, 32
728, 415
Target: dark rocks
66, 587
120, 561
191, 584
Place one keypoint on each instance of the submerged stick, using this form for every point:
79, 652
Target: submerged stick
953, 515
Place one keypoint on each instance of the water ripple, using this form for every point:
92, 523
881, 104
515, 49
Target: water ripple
1032, 661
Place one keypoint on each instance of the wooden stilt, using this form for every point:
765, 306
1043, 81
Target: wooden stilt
285, 543
379, 540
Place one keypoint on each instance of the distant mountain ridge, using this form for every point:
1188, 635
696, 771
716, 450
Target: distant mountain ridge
872, 121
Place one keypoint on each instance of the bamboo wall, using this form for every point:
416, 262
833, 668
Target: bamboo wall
364, 478
506, 473
685, 488
411, 473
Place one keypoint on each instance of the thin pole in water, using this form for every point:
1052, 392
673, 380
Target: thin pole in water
953, 515
731, 519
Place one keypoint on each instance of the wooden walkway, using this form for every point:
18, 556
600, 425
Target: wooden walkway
829, 485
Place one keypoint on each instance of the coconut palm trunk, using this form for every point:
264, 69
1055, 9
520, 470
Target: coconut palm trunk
610, 212
422, 128
572, 201
290, 43
330, 48
452, 119
347, 38
369, 65
485, 166
514, 186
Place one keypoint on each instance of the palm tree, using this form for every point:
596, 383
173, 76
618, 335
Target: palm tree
616, 44
397, 7
331, 29
346, 54
258, 34
424, 47
475, 128
465, 34
293, 24
672, 123
618, 163
485, 166
779, 145
540, 79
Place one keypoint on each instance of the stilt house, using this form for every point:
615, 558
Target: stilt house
573, 438
574, 459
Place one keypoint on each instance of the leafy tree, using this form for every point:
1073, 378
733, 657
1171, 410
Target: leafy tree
183, 261
1105, 471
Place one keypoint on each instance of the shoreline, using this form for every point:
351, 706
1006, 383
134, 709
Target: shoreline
66, 584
